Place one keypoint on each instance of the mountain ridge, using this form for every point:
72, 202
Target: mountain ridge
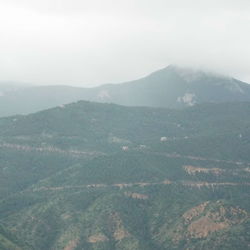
171, 87
104, 176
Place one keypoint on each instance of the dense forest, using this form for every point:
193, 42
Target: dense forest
103, 176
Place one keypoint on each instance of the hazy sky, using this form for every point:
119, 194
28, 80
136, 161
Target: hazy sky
88, 42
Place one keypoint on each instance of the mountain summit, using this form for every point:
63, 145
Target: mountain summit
171, 87
177, 87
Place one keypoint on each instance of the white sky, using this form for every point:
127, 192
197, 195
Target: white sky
89, 42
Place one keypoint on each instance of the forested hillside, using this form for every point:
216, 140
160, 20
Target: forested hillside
103, 176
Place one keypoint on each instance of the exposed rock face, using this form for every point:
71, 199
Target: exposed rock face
115, 230
201, 221
204, 226
117, 227
72, 245
188, 99
192, 170
205, 219
194, 212
136, 196
97, 238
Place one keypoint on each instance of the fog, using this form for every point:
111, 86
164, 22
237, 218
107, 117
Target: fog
86, 43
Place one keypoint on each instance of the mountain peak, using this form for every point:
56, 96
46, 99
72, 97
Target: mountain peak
171, 87
190, 74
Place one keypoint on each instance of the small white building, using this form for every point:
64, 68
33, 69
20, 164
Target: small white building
164, 138
125, 148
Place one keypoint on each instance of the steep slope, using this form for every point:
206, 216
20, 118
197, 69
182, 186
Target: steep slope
176, 87
171, 87
93, 126
103, 176
10, 242
82, 131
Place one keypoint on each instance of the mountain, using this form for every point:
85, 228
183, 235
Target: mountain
176, 87
171, 87
10, 242
104, 176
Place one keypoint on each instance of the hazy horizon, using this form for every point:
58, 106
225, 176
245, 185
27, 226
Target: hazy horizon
89, 43
86, 85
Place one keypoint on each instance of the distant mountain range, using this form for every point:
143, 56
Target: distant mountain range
171, 87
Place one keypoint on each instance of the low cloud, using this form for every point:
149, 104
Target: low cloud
87, 43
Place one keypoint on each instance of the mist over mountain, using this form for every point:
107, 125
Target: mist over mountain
124, 125
161, 162
171, 87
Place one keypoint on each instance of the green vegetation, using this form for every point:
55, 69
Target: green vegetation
103, 176
171, 87
9, 242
